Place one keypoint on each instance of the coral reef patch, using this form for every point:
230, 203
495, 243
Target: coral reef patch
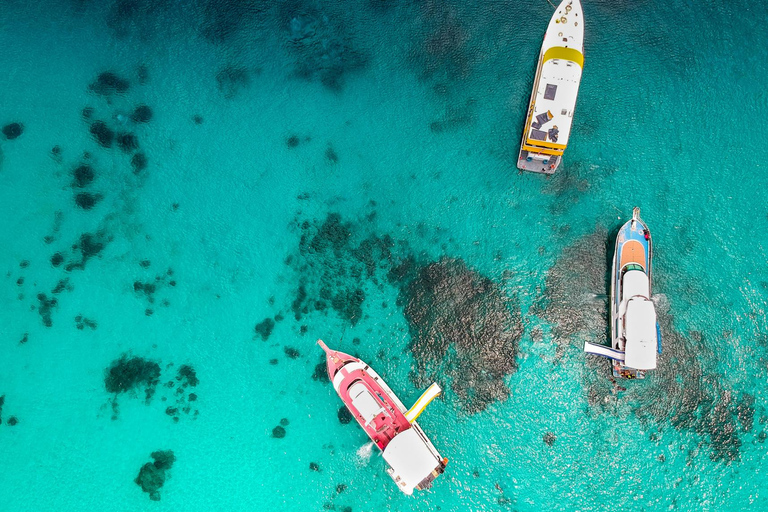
463, 326
13, 130
152, 475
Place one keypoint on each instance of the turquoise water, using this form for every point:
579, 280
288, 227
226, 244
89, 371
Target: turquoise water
395, 123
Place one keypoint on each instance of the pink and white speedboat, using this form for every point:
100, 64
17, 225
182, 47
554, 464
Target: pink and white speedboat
413, 461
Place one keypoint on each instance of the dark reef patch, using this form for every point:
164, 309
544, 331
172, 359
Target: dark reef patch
89, 245
314, 466
61, 286
232, 80
57, 259
2, 401
141, 114
187, 375
462, 326
82, 322
86, 200
82, 176
344, 415
128, 142
278, 432
330, 265
322, 45
292, 141
152, 475
12, 421
138, 162
331, 156
45, 308
129, 374
13, 130
224, 18
197, 119
549, 438
108, 83
321, 371
291, 352
264, 328
102, 134
569, 302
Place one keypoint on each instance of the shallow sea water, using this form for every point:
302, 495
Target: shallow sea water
398, 123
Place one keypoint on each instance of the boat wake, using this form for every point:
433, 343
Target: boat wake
364, 454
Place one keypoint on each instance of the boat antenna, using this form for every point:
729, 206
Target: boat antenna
550, 3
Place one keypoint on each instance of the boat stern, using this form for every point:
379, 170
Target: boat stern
413, 461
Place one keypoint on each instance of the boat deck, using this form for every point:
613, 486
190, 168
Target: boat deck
372, 406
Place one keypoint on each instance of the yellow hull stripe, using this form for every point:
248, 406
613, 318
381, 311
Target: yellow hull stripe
534, 149
560, 52
546, 144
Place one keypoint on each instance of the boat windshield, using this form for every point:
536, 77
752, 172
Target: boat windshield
632, 266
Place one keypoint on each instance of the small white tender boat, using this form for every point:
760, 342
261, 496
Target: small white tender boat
555, 89
635, 334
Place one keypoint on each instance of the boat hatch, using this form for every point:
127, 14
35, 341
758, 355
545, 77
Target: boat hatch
550, 91
640, 330
364, 402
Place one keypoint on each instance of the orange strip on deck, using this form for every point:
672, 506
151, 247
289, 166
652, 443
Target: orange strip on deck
632, 252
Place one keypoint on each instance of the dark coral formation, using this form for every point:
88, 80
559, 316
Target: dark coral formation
571, 302
152, 475
82, 176
232, 80
129, 374
291, 352
89, 245
108, 83
344, 415
102, 134
86, 200
264, 328
224, 18
127, 142
549, 438
292, 141
141, 114
82, 322
57, 259
13, 130
462, 326
138, 162
2, 401
45, 308
322, 45
187, 376
321, 371
278, 432
331, 265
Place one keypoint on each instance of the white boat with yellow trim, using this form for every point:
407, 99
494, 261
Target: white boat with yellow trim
555, 89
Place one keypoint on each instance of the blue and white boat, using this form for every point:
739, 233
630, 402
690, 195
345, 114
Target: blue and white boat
635, 334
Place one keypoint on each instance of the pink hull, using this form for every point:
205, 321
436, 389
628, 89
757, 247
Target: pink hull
388, 420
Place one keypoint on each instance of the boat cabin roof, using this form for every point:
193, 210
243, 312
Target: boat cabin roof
364, 402
410, 458
640, 332
635, 282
